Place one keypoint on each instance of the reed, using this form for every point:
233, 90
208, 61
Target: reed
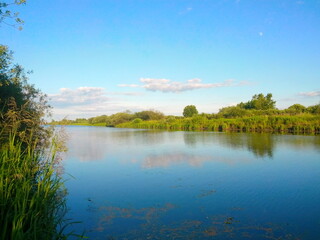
32, 193
289, 124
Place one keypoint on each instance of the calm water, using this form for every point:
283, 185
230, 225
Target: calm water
137, 184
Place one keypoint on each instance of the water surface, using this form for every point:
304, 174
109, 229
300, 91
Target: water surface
139, 184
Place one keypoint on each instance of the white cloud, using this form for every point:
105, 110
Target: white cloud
89, 102
79, 96
310, 94
195, 80
128, 85
260, 34
127, 93
166, 85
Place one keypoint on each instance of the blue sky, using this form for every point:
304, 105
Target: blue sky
101, 57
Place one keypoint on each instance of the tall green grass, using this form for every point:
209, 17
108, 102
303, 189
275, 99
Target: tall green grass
288, 124
32, 193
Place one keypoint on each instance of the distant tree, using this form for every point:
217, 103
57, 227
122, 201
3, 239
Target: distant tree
170, 119
118, 118
296, 109
149, 115
232, 112
90, 120
81, 120
189, 111
315, 109
137, 120
99, 119
259, 102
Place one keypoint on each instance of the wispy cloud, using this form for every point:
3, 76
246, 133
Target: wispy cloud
310, 94
89, 101
128, 85
86, 96
185, 11
166, 85
79, 96
127, 93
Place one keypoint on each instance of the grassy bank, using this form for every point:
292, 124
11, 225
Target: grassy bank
256, 115
32, 194
290, 124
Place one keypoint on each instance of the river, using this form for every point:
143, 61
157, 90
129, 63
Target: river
141, 184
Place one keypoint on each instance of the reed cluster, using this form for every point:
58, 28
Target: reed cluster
289, 124
32, 192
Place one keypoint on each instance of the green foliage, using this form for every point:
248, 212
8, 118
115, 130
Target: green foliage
137, 121
296, 109
293, 124
119, 118
8, 17
232, 112
32, 195
189, 111
20, 101
98, 119
149, 115
170, 119
81, 120
114, 119
314, 109
257, 115
259, 102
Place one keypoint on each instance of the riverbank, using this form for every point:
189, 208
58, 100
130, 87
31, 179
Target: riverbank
288, 124
300, 124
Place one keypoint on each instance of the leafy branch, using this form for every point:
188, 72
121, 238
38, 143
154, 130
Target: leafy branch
9, 17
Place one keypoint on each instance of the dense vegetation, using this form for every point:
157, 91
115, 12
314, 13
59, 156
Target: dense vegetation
32, 195
257, 115
189, 111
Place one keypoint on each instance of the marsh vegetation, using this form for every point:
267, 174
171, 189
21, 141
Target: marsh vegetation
257, 115
32, 192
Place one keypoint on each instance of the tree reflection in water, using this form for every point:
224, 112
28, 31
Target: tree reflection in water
261, 145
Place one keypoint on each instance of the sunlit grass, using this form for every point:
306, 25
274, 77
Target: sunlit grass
32, 193
288, 124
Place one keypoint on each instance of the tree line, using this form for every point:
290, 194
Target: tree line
257, 114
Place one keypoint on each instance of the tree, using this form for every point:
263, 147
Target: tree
119, 118
232, 112
315, 109
189, 111
149, 115
11, 18
99, 119
296, 109
259, 102
22, 106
